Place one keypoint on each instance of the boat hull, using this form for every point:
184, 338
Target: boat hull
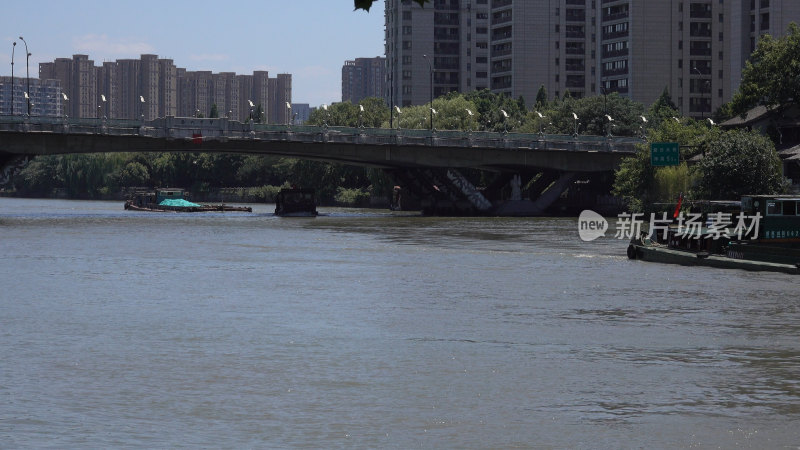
203, 208
662, 254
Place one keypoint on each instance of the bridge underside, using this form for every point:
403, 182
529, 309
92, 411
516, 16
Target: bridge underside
447, 192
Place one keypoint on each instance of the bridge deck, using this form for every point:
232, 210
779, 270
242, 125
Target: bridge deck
388, 148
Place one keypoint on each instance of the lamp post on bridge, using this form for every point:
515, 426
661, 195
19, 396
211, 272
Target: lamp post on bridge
505, 120
702, 92
13, 47
608, 125
575, 118
66, 99
27, 73
641, 127
397, 108
141, 103
541, 120
430, 67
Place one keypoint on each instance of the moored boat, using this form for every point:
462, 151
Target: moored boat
174, 200
294, 202
763, 236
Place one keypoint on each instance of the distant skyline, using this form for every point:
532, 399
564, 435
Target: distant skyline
311, 39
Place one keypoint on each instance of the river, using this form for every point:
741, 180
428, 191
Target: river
373, 329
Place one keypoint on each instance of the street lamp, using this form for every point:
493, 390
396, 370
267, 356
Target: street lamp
66, 99
608, 125
505, 120
430, 66
575, 118
361, 116
641, 127
541, 120
469, 119
141, 103
27, 72
327, 115
103, 98
288, 112
397, 108
13, 47
702, 94
251, 109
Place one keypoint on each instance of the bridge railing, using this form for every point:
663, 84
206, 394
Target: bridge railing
223, 129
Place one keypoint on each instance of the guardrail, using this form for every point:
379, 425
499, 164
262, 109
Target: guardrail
224, 130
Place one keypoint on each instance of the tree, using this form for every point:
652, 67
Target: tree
739, 163
134, 174
541, 97
663, 108
771, 76
636, 181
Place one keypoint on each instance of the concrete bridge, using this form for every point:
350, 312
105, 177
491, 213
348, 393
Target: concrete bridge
533, 170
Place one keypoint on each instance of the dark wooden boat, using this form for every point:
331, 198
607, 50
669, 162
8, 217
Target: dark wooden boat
296, 203
174, 200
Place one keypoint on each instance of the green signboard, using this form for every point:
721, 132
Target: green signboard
665, 154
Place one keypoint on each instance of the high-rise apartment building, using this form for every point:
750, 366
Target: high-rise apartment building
434, 50
45, 97
151, 87
280, 93
695, 48
362, 78
78, 79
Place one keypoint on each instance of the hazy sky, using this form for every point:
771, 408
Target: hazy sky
310, 39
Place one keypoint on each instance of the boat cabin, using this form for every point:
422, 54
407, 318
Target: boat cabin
170, 194
780, 216
295, 202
